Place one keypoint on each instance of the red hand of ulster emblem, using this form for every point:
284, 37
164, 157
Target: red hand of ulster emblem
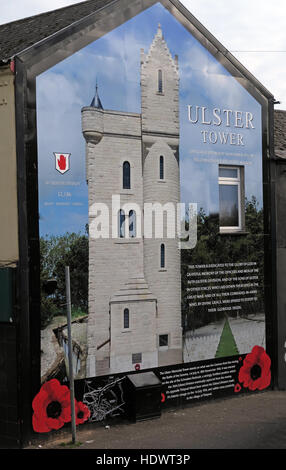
62, 162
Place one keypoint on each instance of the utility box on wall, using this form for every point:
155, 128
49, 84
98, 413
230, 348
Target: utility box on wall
143, 396
6, 294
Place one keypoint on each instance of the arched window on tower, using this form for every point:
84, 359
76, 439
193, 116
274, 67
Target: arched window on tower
132, 224
162, 256
161, 167
126, 319
121, 224
160, 81
126, 175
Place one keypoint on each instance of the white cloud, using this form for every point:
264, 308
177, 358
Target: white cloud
250, 26
17, 9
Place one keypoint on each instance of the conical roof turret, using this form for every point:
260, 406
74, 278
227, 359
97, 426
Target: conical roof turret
96, 102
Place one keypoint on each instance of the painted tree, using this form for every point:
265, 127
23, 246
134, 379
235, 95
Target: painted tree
213, 247
70, 249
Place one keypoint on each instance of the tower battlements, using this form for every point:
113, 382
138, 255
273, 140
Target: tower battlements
99, 122
160, 89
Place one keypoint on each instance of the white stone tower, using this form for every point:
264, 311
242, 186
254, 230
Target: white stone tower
134, 282
161, 184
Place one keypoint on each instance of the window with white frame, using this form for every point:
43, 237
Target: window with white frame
231, 202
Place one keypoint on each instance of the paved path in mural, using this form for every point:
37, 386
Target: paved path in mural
239, 334
248, 332
51, 353
236, 336
202, 344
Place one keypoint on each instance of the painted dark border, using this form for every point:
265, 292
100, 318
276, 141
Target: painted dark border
270, 265
37, 59
28, 318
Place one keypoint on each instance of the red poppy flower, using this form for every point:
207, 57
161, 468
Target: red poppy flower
255, 372
163, 397
237, 388
82, 413
51, 407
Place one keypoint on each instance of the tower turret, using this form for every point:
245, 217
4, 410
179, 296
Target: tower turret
160, 88
161, 190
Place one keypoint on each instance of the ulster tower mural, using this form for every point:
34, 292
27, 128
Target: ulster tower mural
132, 162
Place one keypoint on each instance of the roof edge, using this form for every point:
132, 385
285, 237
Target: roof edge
184, 17
20, 20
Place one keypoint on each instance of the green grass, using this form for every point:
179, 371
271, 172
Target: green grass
227, 345
70, 444
77, 313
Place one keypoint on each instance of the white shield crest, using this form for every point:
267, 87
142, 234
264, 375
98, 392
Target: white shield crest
62, 162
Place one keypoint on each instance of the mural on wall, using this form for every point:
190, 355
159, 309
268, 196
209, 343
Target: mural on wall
107, 398
133, 131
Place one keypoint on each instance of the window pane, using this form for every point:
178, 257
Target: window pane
121, 222
228, 172
132, 224
163, 340
228, 205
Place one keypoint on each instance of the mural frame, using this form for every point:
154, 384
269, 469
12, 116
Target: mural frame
28, 65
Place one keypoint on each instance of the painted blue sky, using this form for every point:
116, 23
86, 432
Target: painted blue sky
114, 61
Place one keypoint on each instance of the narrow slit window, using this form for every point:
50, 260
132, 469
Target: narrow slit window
126, 322
160, 81
126, 175
162, 256
121, 224
132, 224
161, 167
